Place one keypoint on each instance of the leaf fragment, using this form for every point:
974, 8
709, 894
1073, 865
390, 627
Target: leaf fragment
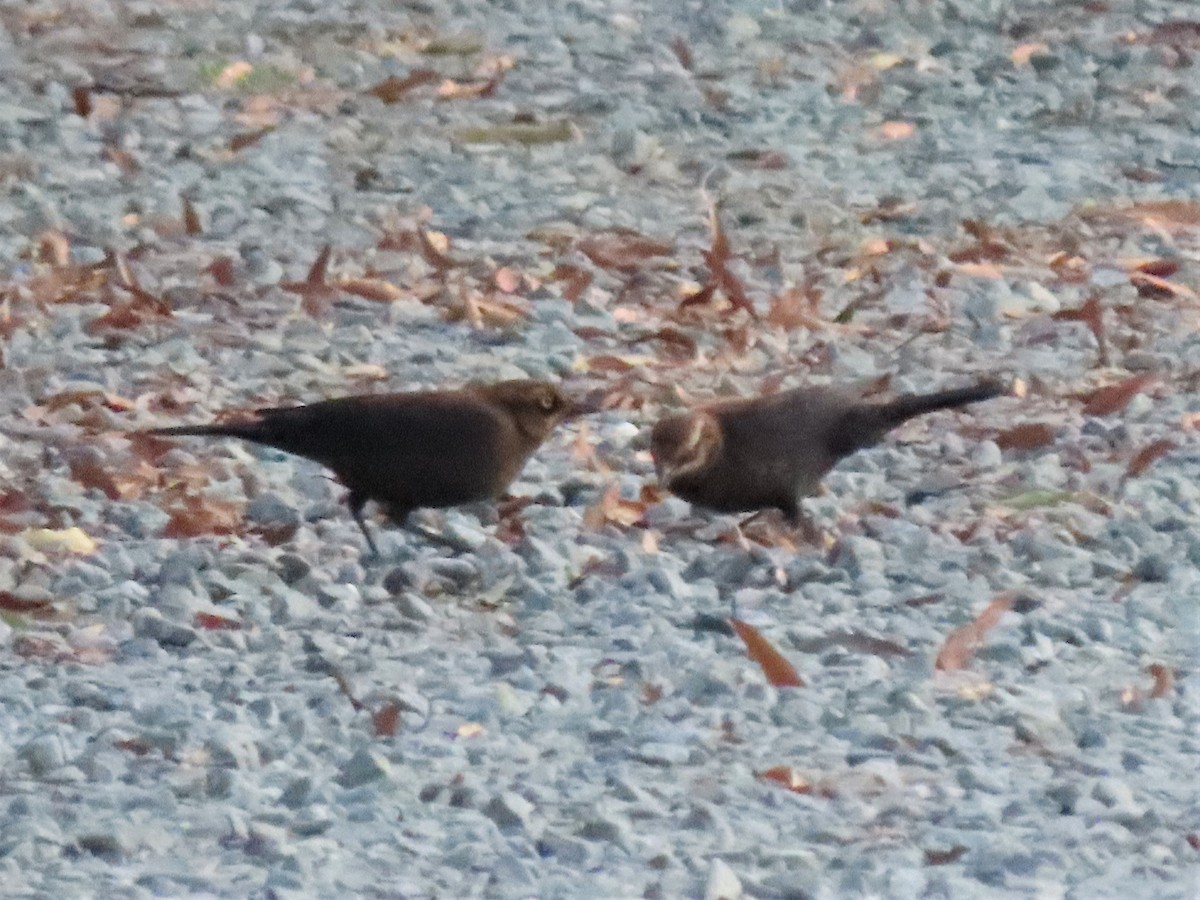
779, 672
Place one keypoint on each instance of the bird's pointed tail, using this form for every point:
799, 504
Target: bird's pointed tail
902, 409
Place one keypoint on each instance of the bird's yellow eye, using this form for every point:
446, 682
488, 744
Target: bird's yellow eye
548, 402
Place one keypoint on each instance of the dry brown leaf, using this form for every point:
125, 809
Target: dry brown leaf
1147, 456
944, 857
371, 289
10, 602
1149, 285
213, 622
575, 280
82, 98
797, 307
1164, 680
1115, 397
244, 139
960, 645
191, 219
193, 515
787, 777
779, 672
455, 90
386, 720
718, 257
624, 250
433, 246
222, 270
614, 509
316, 294
1029, 436
393, 89
1091, 315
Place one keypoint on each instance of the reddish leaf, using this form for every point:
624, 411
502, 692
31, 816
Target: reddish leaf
1159, 268
575, 278
136, 746
194, 515
222, 271
212, 622
10, 602
82, 98
960, 645
191, 219
615, 509
778, 670
624, 250
1164, 680
718, 257
683, 52
386, 720
393, 89
1146, 457
246, 139
91, 474
1029, 436
1091, 315
788, 778
316, 295
796, 308
1115, 397
944, 857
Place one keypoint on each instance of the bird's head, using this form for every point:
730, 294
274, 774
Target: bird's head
536, 406
684, 444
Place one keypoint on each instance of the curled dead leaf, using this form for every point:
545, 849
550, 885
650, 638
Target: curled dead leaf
779, 672
1028, 436
960, 645
624, 251
1115, 397
787, 777
1146, 457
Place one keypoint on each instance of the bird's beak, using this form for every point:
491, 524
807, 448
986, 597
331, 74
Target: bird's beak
586, 405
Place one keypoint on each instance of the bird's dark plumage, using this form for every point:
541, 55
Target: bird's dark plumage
770, 452
411, 450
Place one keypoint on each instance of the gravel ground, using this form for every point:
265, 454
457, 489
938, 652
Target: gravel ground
207, 689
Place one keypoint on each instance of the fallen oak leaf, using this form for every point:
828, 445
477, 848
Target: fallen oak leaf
623, 250
718, 257
787, 777
960, 645
213, 622
1114, 397
1029, 436
193, 515
779, 672
1147, 456
371, 289
11, 603
615, 509
1092, 315
392, 89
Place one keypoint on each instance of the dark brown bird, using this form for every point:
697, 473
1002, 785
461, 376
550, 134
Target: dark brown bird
412, 450
771, 452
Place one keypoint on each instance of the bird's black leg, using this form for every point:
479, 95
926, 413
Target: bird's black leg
803, 523
357, 501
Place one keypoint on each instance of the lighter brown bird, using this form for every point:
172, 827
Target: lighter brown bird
771, 452
414, 449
